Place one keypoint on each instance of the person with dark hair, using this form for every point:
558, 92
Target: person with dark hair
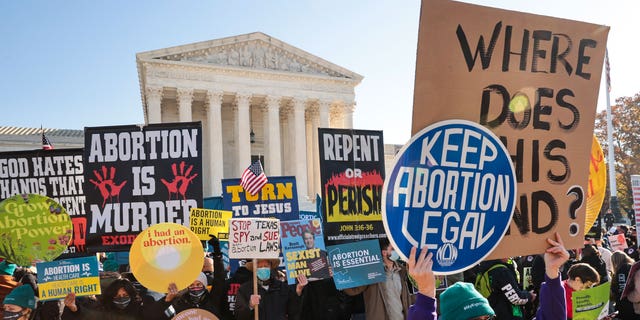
388, 300
275, 299
197, 295
581, 276
629, 305
591, 256
622, 264
119, 301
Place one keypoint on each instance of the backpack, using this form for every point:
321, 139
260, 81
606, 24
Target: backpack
483, 281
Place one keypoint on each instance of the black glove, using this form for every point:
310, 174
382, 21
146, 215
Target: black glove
215, 244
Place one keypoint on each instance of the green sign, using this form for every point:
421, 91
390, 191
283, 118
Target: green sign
33, 228
591, 303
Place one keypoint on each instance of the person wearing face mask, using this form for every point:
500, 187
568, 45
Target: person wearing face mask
196, 294
19, 304
119, 301
275, 299
388, 300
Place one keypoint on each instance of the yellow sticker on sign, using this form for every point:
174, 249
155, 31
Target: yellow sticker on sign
204, 222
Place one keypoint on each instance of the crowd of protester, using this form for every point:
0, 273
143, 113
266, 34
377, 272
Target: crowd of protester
409, 291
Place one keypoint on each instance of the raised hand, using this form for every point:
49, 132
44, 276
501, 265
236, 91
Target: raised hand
421, 271
555, 256
302, 282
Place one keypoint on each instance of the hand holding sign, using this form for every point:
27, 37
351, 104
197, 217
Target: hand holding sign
421, 271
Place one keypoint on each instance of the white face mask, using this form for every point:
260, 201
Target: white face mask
394, 256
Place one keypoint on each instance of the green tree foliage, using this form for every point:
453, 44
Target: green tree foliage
626, 142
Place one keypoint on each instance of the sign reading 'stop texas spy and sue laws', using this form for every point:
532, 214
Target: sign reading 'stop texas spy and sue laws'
533, 81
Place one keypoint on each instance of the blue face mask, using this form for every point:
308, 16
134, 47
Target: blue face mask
394, 256
263, 273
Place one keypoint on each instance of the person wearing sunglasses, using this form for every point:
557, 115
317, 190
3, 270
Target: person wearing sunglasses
462, 302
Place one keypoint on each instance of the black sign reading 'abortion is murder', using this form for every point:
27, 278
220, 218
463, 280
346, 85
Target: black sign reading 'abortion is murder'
57, 174
136, 177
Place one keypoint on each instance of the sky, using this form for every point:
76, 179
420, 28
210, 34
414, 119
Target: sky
71, 64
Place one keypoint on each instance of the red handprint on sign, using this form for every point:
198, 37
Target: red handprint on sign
106, 185
180, 181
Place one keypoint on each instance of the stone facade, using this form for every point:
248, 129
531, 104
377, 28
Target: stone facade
245, 84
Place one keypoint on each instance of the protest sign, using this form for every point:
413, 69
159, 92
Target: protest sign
597, 184
33, 228
356, 264
78, 275
303, 250
136, 177
204, 222
591, 303
618, 242
533, 80
635, 189
278, 199
166, 253
453, 190
195, 314
352, 175
57, 174
254, 238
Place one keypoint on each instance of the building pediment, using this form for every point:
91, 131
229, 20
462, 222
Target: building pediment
256, 51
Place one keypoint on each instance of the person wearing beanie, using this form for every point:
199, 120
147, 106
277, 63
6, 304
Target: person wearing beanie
196, 294
461, 301
19, 303
6, 279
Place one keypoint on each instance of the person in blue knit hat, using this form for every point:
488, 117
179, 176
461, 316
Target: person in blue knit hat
19, 304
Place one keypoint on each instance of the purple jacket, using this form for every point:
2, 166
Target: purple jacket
552, 303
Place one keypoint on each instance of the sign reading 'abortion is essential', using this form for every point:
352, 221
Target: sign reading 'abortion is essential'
452, 189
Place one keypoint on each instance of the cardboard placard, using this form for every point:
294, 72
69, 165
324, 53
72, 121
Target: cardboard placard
303, 250
254, 238
533, 80
278, 199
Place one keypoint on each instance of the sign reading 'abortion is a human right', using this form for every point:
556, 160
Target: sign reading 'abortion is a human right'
452, 189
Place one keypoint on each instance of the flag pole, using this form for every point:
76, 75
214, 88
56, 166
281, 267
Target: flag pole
613, 190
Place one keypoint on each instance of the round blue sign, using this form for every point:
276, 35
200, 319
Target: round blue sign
452, 189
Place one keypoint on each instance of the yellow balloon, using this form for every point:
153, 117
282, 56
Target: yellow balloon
597, 184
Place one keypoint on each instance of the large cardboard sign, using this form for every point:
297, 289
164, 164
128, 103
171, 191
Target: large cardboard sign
278, 199
136, 177
205, 222
254, 238
303, 250
58, 278
166, 249
352, 175
452, 189
356, 264
532, 80
33, 228
57, 174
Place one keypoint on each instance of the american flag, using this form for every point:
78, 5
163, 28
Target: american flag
608, 69
46, 144
253, 178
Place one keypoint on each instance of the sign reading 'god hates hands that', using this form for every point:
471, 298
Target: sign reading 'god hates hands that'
452, 189
533, 81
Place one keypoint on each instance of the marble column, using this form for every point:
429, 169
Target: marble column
185, 98
243, 138
323, 110
336, 116
274, 162
315, 152
154, 104
214, 121
300, 150
349, 108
